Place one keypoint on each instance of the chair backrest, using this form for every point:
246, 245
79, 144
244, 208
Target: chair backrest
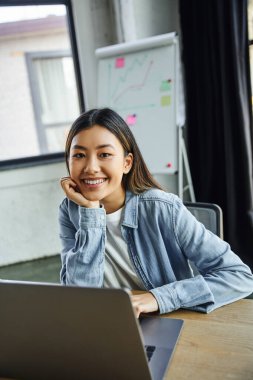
208, 214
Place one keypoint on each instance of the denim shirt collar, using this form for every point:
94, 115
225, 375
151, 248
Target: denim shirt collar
130, 218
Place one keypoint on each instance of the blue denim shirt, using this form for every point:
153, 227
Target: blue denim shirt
162, 236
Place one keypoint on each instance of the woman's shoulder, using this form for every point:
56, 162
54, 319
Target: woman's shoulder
160, 195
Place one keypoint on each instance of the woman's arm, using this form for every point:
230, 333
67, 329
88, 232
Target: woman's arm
223, 277
83, 244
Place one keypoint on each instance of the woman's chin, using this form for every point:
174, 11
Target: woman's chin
91, 197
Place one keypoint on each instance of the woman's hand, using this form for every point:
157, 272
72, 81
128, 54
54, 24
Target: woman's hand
72, 192
144, 303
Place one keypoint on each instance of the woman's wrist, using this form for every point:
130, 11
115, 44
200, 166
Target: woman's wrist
89, 204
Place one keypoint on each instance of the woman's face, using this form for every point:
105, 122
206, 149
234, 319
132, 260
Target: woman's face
97, 164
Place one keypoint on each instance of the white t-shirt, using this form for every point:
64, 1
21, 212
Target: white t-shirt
119, 270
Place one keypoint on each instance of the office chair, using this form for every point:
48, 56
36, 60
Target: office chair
208, 214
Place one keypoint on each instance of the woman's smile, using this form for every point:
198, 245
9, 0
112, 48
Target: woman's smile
93, 183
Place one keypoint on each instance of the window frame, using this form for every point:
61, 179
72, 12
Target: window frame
34, 88
49, 158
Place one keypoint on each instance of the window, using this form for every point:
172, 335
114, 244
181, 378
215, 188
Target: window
37, 72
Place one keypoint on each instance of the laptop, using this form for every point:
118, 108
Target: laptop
49, 331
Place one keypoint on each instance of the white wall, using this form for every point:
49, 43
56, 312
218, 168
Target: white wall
94, 28
29, 197
136, 19
29, 200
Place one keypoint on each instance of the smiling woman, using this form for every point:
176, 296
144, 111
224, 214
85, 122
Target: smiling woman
119, 229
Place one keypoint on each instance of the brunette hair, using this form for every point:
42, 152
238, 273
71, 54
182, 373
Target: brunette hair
139, 178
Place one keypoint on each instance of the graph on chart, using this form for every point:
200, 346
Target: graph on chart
137, 81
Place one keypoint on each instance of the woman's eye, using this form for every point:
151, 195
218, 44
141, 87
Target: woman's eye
105, 155
78, 155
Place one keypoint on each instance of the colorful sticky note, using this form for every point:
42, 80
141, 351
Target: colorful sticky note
165, 85
119, 62
131, 119
165, 101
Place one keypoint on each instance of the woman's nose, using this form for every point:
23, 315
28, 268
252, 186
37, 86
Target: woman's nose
91, 165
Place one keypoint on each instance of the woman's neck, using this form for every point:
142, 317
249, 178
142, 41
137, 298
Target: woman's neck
113, 202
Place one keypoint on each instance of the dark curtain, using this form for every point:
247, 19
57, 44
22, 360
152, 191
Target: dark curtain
215, 55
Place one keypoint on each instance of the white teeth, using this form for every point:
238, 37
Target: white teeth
93, 182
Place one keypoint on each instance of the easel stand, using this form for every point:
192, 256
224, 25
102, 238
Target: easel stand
183, 168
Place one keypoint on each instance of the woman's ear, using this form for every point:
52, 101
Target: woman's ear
128, 163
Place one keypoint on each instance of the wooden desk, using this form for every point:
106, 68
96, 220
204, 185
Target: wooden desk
216, 346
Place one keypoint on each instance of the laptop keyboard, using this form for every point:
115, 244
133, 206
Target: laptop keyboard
149, 351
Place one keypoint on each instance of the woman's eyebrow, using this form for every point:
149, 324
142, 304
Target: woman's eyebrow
81, 147
105, 146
